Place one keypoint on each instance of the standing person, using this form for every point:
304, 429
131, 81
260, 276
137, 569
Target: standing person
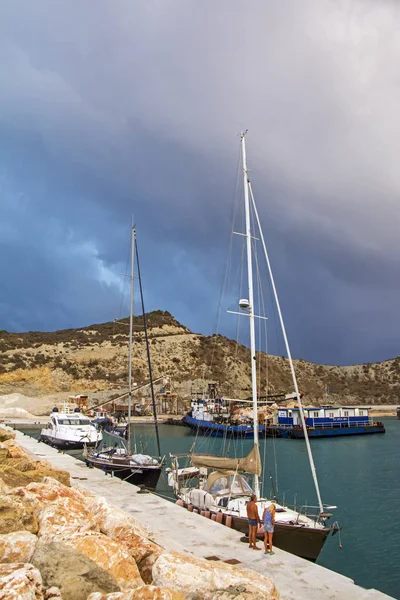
269, 522
254, 520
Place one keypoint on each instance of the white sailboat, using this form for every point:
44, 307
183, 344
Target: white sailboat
134, 467
219, 486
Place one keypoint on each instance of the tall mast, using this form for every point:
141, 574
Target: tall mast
153, 399
251, 302
294, 378
130, 339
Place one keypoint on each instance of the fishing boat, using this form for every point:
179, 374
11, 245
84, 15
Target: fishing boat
221, 417
118, 459
219, 486
70, 430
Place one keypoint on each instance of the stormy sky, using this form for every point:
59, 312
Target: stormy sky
113, 108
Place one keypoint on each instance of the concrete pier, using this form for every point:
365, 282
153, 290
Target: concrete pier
175, 528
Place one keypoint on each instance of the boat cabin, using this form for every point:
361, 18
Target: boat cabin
228, 483
76, 418
205, 409
322, 416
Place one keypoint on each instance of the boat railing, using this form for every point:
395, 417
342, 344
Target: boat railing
333, 425
312, 512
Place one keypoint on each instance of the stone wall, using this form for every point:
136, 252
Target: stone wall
57, 542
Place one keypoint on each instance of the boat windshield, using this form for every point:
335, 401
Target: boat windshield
74, 422
229, 484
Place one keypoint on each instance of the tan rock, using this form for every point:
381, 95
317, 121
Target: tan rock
4, 455
22, 464
200, 579
12, 477
39, 474
20, 581
52, 593
13, 448
6, 434
39, 494
3, 487
109, 555
17, 546
146, 565
71, 572
144, 592
16, 515
118, 525
65, 515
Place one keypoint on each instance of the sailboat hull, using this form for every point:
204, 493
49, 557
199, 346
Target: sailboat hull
306, 542
143, 475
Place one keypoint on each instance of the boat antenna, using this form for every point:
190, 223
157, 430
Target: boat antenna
296, 387
153, 400
133, 238
250, 308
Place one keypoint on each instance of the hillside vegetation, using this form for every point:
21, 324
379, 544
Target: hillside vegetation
94, 359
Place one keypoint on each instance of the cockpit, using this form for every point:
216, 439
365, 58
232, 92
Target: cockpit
228, 483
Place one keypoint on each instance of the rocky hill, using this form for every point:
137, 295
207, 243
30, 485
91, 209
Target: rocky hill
94, 360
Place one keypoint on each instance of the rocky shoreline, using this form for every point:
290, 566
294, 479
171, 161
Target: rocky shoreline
60, 542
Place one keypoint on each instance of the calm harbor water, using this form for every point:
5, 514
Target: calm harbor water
358, 474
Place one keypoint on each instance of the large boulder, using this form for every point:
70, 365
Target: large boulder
145, 592
17, 546
39, 474
22, 464
118, 525
20, 581
13, 448
71, 572
14, 477
108, 555
52, 593
4, 454
6, 434
3, 487
200, 579
64, 516
38, 495
16, 515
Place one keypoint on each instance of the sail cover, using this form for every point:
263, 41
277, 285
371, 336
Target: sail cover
247, 464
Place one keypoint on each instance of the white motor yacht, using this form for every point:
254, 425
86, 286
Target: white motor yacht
69, 430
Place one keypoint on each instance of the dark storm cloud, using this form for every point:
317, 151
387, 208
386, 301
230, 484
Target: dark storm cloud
133, 107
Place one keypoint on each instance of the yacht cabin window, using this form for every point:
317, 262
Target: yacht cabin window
75, 422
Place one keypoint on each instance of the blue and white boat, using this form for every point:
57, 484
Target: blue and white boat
326, 421
212, 417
